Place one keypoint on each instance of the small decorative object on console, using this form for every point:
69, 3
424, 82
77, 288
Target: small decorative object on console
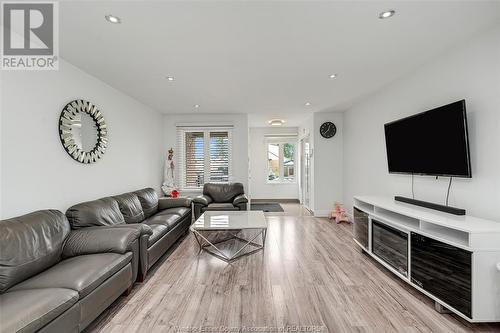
174, 194
339, 214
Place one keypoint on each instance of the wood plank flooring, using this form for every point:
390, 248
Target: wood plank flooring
310, 276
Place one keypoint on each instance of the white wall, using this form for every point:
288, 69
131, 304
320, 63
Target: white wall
240, 138
471, 71
37, 173
259, 187
328, 156
326, 162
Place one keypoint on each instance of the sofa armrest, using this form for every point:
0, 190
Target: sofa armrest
240, 199
100, 240
203, 200
144, 229
165, 203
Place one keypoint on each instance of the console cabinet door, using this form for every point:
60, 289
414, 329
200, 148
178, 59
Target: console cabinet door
443, 270
390, 245
361, 227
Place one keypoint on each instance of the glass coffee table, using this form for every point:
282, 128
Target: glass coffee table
230, 235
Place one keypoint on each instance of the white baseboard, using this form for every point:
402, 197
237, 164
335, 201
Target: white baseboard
322, 213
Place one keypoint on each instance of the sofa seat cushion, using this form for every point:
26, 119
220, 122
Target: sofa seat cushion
169, 220
181, 211
159, 230
82, 274
31, 309
221, 206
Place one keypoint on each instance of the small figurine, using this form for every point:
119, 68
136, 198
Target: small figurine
168, 175
339, 214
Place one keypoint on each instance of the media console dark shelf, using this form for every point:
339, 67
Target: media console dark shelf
455, 260
442, 208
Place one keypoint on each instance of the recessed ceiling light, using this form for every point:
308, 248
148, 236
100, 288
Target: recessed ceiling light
197, 106
308, 104
170, 78
113, 19
333, 76
276, 122
386, 14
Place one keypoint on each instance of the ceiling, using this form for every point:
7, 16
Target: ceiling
266, 59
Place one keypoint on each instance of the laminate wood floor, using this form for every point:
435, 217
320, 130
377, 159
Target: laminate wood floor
310, 277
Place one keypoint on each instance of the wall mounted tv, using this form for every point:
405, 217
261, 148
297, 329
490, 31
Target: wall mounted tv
434, 142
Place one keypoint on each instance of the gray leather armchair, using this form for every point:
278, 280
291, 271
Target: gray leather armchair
220, 197
53, 279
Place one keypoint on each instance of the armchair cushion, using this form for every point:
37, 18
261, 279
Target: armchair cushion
240, 199
220, 206
165, 203
100, 240
203, 200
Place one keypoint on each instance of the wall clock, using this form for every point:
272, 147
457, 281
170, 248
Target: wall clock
328, 130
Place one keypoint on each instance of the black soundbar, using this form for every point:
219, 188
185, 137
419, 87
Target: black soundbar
442, 208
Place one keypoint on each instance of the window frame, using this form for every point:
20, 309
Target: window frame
181, 157
281, 160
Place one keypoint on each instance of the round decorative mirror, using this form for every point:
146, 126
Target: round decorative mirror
83, 131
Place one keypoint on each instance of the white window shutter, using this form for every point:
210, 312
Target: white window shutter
204, 155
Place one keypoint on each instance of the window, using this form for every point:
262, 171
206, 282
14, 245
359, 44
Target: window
280, 162
204, 156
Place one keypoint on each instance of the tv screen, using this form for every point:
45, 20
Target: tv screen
434, 142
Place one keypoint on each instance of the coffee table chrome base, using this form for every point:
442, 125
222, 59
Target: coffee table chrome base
211, 247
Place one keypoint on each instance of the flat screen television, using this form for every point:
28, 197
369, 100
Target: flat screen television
434, 142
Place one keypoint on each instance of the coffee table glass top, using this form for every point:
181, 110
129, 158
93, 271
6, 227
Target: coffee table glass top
230, 220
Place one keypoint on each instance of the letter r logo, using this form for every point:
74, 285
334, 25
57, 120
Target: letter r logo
28, 28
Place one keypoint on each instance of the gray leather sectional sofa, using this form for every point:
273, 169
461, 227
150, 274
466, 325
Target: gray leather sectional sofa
160, 221
53, 279
59, 272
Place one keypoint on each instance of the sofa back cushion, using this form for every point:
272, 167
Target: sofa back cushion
29, 244
149, 201
130, 207
223, 193
99, 212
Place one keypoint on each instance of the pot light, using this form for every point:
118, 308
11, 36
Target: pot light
276, 122
170, 78
308, 104
113, 19
386, 14
333, 76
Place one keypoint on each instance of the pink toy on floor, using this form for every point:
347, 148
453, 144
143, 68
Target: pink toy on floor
339, 214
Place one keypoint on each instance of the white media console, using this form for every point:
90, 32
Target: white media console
455, 260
